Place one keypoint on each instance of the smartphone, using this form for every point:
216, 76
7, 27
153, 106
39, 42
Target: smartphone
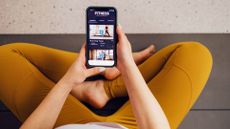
101, 36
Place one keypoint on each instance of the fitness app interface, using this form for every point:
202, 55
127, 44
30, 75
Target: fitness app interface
101, 42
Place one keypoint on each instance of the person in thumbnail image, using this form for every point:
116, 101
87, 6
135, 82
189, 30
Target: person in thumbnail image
101, 55
97, 30
109, 54
93, 54
107, 31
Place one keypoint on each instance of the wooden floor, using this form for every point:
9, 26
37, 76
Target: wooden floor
212, 110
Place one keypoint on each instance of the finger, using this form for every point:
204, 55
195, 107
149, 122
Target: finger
94, 71
120, 33
82, 51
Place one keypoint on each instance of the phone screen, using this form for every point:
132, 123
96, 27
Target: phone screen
101, 36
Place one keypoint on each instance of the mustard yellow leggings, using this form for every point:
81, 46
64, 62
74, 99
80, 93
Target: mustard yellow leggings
175, 74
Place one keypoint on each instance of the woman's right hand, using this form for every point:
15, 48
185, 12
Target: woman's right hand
124, 50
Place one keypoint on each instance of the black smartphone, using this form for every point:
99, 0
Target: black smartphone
101, 36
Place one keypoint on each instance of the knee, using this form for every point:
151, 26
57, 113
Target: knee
196, 61
196, 53
4, 51
16, 45
203, 53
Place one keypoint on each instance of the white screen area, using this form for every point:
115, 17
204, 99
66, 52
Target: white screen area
101, 63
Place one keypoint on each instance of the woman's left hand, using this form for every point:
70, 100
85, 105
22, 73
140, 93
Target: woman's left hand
78, 72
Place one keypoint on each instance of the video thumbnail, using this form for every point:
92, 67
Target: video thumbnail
101, 31
101, 54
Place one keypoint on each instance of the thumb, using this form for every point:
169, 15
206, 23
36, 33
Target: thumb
94, 71
120, 33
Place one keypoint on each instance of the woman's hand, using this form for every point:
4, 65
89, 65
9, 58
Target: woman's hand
124, 50
78, 72
140, 96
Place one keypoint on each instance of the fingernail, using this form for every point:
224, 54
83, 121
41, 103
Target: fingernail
119, 25
101, 69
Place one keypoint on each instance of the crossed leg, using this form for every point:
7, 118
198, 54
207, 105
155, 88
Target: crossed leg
29, 72
24, 82
176, 76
